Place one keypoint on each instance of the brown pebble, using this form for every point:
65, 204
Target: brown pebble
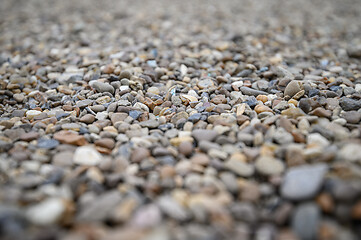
70, 138
186, 148
139, 154
105, 142
27, 137
87, 118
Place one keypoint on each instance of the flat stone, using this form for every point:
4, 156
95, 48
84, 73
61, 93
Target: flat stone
105, 142
303, 182
69, 137
149, 123
350, 152
30, 136
118, 117
47, 143
252, 92
204, 135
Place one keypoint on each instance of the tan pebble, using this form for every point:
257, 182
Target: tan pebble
262, 98
325, 201
293, 101
262, 108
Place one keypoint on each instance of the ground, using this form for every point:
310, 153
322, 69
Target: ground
180, 119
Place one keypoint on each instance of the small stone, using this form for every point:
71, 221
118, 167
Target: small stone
186, 148
252, 92
47, 212
63, 159
305, 221
152, 123
153, 90
352, 117
205, 83
118, 117
69, 137
303, 182
321, 112
349, 104
105, 142
19, 97
269, 166
102, 87
204, 135
293, 87
139, 154
30, 114
350, 152
87, 155
103, 100
87, 118
239, 167
47, 143
30, 136
171, 208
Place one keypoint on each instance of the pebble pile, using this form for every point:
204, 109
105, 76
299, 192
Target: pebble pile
199, 120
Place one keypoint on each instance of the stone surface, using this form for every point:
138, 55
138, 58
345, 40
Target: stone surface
303, 182
87, 155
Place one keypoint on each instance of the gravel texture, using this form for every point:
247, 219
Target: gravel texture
180, 120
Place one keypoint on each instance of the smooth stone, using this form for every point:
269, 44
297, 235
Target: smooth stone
139, 154
69, 137
102, 87
152, 123
47, 212
105, 142
87, 118
185, 148
100, 208
305, 221
352, 117
63, 159
350, 152
239, 167
30, 136
204, 135
269, 166
19, 97
172, 209
292, 88
153, 90
87, 155
205, 83
303, 182
47, 143
252, 92
30, 114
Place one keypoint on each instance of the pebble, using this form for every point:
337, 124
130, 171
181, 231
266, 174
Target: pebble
204, 135
87, 155
102, 87
306, 220
70, 138
269, 166
46, 212
30, 114
292, 88
47, 143
241, 168
88, 119
303, 182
